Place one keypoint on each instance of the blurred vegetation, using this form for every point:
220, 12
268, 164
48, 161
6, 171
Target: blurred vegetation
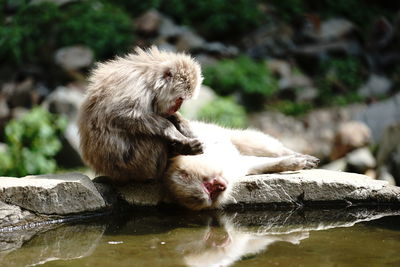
32, 142
36, 30
292, 108
340, 80
215, 18
225, 112
243, 75
30, 34
361, 12
100, 25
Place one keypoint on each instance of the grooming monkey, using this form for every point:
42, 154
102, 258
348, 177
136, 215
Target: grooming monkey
128, 124
204, 181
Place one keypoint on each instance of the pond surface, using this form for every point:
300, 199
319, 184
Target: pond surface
350, 237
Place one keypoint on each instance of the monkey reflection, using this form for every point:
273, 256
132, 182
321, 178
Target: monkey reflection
226, 244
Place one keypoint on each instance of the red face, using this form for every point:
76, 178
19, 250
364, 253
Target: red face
177, 105
215, 187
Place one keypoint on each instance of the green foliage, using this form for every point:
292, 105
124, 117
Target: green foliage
292, 108
340, 80
99, 25
136, 7
359, 11
250, 78
36, 30
289, 10
215, 18
29, 33
32, 141
224, 111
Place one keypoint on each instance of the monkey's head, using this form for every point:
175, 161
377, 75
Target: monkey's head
196, 183
173, 77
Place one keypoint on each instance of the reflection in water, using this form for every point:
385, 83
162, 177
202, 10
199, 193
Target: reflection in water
222, 246
64, 242
182, 238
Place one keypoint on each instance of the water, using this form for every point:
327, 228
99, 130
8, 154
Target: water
350, 237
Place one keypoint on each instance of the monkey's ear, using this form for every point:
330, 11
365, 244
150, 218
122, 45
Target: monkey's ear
167, 74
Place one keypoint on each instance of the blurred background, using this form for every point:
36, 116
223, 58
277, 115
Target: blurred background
323, 76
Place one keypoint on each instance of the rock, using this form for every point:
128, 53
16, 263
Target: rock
385, 175
336, 165
286, 129
148, 22
346, 47
4, 109
188, 41
206, 60
191, 107
11, 215
376, 85
19, 94
74, 57
183, 39
52, 194
380, 115
168, 28
217, 48
145, 194
360, 160
295, 81
389, 154
305, 187
270, 40
280, 67
307, 94
331, 29
350, 135
319, 186
66, 101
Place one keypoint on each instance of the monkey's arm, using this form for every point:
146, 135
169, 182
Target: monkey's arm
181, 124
155, 125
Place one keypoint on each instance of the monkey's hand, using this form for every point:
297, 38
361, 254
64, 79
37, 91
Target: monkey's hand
187, 147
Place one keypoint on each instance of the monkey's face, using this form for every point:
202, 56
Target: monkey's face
196, 186
181, 81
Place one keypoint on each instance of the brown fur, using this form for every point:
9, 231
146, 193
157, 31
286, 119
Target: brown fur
126, 125
228, 155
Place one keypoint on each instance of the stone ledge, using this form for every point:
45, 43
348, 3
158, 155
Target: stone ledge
58, 194
286, 189
34, 199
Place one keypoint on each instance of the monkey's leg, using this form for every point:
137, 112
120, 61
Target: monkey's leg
255, 143
259, 165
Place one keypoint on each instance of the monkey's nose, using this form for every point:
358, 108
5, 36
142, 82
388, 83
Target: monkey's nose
219, 185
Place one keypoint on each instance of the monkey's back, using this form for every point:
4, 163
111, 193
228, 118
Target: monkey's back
116, 153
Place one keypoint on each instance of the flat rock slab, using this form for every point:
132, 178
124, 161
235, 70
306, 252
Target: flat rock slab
288, 189
59, 194
308, 186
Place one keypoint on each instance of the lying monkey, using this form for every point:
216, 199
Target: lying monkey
204, 181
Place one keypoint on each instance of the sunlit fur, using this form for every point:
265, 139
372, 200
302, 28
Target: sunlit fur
123, 122
229, 154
